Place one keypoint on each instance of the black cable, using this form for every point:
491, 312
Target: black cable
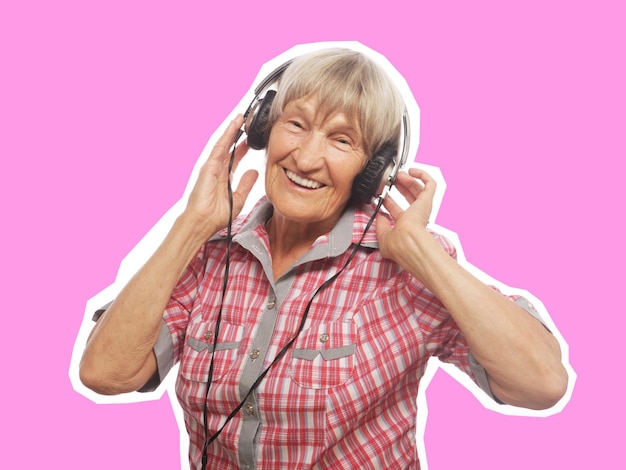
286, 347
216, 331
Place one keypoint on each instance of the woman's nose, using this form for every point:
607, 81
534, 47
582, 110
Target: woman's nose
310, 153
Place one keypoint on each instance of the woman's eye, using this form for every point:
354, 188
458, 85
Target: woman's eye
344, 141
297, 124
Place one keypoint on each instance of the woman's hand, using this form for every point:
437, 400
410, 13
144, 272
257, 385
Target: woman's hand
208, 206
418, 188
118, 357
522, 359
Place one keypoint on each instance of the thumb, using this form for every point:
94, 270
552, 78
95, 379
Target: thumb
382, 227
243, 189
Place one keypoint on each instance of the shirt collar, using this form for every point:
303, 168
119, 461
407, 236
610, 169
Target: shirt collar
347, 231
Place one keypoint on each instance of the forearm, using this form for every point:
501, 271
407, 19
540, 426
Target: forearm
118, 356
521, 357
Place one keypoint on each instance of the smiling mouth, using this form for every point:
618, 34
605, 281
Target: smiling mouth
304, 182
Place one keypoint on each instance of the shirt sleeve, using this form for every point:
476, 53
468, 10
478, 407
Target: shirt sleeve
478, 372
168, 347
450, 343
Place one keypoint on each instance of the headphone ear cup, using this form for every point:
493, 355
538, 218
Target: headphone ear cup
258, 128
367, 183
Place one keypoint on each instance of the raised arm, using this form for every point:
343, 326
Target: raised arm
118, 356
522, 358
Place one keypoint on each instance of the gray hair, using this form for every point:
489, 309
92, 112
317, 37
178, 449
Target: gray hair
350, 82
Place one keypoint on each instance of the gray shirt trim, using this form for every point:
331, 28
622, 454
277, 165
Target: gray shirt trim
479, 372
339, 240
163, 350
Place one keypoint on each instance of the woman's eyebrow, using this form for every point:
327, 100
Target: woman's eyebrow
347, 124
300, 106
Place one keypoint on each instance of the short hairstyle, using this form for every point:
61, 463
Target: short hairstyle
350, 82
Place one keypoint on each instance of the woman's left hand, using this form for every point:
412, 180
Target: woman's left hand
522, 359
418, 188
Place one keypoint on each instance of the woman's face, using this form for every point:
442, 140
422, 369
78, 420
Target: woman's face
312, 160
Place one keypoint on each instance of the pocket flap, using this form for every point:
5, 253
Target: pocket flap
201, 336
327, 354
330, 340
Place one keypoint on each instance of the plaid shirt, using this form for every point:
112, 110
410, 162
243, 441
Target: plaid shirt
344, 396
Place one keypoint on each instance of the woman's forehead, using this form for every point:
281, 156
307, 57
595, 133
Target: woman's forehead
325, 112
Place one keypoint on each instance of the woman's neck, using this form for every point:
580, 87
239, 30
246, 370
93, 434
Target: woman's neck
290, 240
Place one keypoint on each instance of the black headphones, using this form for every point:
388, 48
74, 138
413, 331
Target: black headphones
378, 176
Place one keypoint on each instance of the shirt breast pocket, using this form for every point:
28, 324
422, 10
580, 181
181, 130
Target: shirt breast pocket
323, 356
196, 358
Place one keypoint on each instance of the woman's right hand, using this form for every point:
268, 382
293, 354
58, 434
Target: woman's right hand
208, 207
118, 357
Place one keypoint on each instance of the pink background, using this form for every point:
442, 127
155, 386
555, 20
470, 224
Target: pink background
104, 109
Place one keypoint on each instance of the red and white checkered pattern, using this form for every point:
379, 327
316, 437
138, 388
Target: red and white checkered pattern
344, 396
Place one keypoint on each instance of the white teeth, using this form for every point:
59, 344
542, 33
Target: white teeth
303, 181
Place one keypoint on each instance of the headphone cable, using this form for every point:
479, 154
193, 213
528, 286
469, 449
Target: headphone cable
284, 349
219, 313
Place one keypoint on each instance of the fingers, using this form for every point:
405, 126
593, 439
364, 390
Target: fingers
428, 181
224, 150
382, 226
218, 162
392, 207
414, 183
227, 139
418, 188
221, 152
243, 189
240, 152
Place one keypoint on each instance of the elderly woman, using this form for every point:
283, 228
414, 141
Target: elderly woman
302, 335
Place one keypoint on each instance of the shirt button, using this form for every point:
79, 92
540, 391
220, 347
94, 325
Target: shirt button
271, 304
254, 354
249, 408
208, 335
324, 337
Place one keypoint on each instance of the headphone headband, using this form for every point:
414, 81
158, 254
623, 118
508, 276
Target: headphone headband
382, 168
271, 78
